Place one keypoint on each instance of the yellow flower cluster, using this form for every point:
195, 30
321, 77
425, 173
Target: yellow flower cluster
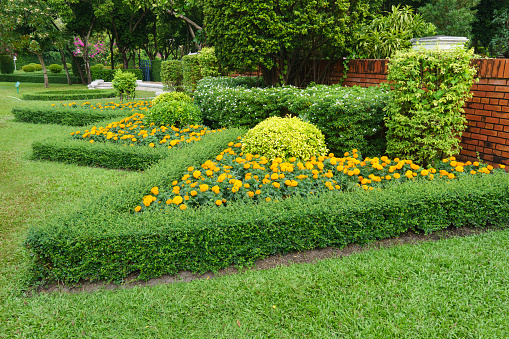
132, 131
233, 175
141, 105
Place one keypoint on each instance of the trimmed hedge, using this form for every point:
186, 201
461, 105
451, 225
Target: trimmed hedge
104, 241
108, 74
38, 78
156, 69
70, 94
172, 74
62, 116
349, 117
6, 64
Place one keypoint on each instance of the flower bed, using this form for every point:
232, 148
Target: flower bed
233, 176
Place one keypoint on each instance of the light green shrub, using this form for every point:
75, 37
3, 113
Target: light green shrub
175, 113
124, 84
425, 116
37, 67
28, 68
54, 68
285, 137
171, 96
171, 74
208, 62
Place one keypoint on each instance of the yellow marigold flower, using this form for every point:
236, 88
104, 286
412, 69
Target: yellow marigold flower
288, 182
453, 163
177, 200
193, 193
267, 199
502, 166
133, 139
91, 141
276, 184
169, 201
215, 189
204, 187
219, 202
258, 192
196, 174
356, 171
175, 182
186, 197
346, 154
337, 187
329, 174
350, 173
489, 167
409, 174
151, 144
415, 167
155, 190
397, 175
450, 176
190, 169
476, 164
137, 208
183, 207
424, 173
147, 200
452, 158
473, 172
274, 176
250, 194
294, 183
459, 168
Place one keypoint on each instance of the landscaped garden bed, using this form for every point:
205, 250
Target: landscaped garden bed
85, 94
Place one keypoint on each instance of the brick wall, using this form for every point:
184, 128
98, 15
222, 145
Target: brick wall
487, 112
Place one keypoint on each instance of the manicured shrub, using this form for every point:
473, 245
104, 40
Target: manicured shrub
171, 74
177, 113
61, 116
108, 74
171, 96
208, 62
37, 67
28, 68
70, 94
124, 84
155, 66
285, 138
425, 116
54, 68
191, 72
37, 78
6, 64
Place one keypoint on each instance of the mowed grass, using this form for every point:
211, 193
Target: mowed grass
454, 288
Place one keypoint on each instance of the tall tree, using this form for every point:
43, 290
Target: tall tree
484, 28
451, 17
281, 38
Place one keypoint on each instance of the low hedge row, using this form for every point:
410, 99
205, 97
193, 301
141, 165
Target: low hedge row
62, 116
71, 95
38, 78
101, 243
108, 74
349, 117
98, 154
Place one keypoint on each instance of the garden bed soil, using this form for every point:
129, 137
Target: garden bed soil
310, 256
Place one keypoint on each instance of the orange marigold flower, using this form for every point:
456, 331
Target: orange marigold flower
178, 200
155, 190
137, 208
183, 207
204, 187
219, 202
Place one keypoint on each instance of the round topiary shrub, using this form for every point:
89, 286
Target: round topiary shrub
54, 68
171, 96
176, 113
285, 138
37, 67
28, 68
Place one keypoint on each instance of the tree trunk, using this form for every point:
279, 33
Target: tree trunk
44, 71
80, 71
64, 64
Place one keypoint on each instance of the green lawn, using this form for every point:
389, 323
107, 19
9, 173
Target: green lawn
454, 288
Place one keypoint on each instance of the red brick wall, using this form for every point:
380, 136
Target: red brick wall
487, 112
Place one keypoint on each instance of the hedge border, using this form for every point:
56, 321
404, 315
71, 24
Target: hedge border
106, 241
70, 95
38, 79
62, 116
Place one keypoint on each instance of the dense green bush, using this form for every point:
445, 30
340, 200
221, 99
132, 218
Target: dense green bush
349, 117
38, 67
191, 72
54, 68
6, 64
425, 116
176, 113
208, 62
61, 116
78, 94
171, 74
28, 68
285, 138
37, 78
155, 66
115, 243
75, 69
124, 84
108, 74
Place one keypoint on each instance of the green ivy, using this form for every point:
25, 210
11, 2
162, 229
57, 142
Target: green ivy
425, 116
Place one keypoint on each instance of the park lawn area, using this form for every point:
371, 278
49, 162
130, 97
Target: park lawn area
451, 288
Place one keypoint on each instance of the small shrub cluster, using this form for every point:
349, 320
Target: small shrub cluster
349, 117
235, 175
171, 74
171, 96
70, 94
191, 72
55, 68
28, 68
